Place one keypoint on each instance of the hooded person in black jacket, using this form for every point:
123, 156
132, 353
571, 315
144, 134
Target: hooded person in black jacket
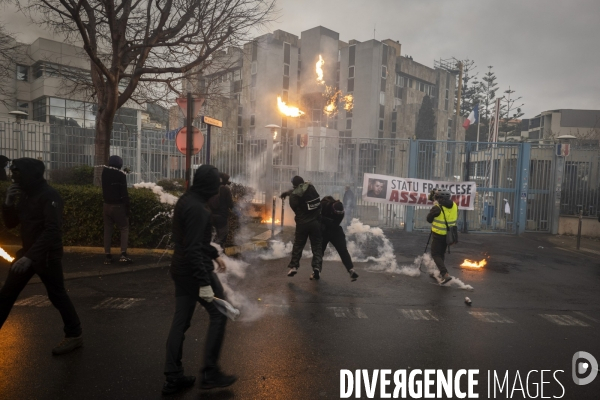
3, 163
39, 212
332, 214
306, 204
116, 207
192, 271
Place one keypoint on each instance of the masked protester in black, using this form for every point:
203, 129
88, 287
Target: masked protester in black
306, 204
116, 207
192, 271
39, 212
332, 214
220, 205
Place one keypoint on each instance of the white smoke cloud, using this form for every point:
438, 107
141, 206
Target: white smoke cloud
164, 197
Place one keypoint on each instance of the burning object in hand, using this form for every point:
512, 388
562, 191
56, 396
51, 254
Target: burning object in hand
5, 255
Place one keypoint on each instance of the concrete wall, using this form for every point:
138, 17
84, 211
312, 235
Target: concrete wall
569, 225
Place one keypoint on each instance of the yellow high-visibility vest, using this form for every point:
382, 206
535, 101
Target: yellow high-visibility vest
439, 223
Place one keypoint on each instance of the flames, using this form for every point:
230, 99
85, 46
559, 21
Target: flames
270, 221
473, 264
319, 69
332, 95
5, 255
288, 111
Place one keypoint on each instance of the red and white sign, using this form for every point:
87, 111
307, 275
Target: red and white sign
563, 149
181, 140
182, 103
415, 192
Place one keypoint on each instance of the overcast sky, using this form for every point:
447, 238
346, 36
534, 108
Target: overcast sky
548, 51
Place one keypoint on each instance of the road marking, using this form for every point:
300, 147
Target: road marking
491, 317
585, 316
563, 320
346, 312
276, 309
426, 315
118, 303
39, 300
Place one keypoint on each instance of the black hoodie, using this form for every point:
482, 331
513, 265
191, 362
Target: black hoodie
114, 185
39, 211
192, 231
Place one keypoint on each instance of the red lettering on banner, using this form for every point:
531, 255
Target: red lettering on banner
394, 196
403, 197
466, 201
456, 198
422, 199
413, 198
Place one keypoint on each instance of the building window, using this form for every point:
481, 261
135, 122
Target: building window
286, 82
349, 123
399, 80
382, 98
252, 120
286, 53
253, 80
350, 85
382, 85
381, 125
284, 96
384, 54
383, 71
237, 75
254, 50
252, 93
421, 86
381, 111
349, 114
350, 72
253, 67
286, 70
22, 73
351, 55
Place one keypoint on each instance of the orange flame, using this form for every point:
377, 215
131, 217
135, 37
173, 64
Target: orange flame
348, 102
5, 255
269, 221
319, 69
474, 264
288, 110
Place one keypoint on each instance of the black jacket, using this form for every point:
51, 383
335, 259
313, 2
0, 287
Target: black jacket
114, 187
192, 230
39, 211
306, 204
3, 163
436, 210
221, 203
329, 217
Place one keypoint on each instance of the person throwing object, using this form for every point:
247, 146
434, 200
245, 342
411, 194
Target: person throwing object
444, 211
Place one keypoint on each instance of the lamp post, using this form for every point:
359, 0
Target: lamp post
18, 116
272, 135
563, 148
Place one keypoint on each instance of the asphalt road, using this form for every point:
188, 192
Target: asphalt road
534, 306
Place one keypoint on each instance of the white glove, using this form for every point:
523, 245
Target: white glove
206, 293
221, 267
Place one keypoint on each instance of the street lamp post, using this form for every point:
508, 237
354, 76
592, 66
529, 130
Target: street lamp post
269, 190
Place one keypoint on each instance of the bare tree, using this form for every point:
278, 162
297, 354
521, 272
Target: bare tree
10, 52
145, 47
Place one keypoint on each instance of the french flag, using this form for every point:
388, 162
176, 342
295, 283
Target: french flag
472, 118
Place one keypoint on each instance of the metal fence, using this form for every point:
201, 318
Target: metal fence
332, 163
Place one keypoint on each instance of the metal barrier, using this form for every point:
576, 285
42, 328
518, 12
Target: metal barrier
515, 181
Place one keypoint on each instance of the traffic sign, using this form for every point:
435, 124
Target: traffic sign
182, 103
563, 149
212, 121
181, 140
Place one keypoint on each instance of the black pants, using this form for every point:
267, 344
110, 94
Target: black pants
186, 296
305, 231
438, 251
221, 225
51, 275
115, 214
336, 236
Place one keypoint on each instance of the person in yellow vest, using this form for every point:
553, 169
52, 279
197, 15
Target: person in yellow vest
443, 215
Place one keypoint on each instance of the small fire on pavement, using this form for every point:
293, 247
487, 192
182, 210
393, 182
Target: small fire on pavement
5, 255
473, 264
270, 220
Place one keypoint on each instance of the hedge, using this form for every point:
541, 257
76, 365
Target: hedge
83, 224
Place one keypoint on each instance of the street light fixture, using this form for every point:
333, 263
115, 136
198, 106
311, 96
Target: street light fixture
19, 115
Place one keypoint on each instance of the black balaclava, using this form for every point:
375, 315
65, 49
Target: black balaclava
297, 181
115, 161
206, 181
28, 173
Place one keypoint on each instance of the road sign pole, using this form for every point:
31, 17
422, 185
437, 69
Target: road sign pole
208, 144
189, 141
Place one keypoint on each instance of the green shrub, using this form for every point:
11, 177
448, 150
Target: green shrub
172, 185
83, 223
79, 175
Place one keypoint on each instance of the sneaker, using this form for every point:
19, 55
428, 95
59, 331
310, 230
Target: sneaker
293, 271
173, 386
316, 275
124, 259
353, 275
217, 380
67, 345
445, 278
108, 259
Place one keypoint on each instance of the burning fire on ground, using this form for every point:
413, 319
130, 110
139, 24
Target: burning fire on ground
473, 264
5, 255
288, 111
269, 221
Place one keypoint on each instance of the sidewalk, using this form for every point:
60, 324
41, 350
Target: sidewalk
591, 246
